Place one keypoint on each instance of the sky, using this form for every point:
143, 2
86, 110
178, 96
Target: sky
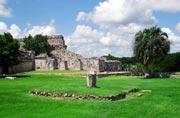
92, 28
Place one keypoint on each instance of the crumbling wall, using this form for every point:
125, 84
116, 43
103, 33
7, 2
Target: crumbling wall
57, 42
45, 64
62, 65
64, 59
23, 66
113, 66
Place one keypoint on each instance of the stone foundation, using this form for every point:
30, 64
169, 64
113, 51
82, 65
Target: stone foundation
85, 96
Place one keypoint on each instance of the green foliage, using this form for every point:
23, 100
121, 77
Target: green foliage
9, 51
38, 44
124, 60
151, 46
170, 64
136, 69
127, 62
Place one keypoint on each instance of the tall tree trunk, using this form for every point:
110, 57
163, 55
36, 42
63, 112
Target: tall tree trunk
152, 74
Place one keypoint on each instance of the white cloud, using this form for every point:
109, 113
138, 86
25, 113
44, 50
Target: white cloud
15, 31
91, 42
119, 12
178, 27
118, 21
4, 12
174, 39
82, 16
38, 29
3, 27
44, 30
124, 12
163, 5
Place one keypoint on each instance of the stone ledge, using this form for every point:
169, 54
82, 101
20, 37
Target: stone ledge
84, 96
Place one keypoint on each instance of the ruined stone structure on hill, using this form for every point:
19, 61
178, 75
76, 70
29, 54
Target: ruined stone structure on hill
64, 59
61, 59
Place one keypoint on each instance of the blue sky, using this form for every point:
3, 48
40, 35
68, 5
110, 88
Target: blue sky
92, 27
40, 12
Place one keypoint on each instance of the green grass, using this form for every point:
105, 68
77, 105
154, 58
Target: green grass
176, 72
15, 102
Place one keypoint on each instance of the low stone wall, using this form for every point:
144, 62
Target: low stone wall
86, 96
113, 66
101, 65
45, 64
23, 66
175, 76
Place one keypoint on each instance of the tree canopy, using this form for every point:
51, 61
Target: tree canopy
39, 44
151, 46
9, 51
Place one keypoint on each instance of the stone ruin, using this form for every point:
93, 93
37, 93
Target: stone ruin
73, 96
61, 59
64, 59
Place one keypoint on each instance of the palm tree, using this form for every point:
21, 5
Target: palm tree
151, 46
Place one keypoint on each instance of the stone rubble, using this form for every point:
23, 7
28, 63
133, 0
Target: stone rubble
85, 96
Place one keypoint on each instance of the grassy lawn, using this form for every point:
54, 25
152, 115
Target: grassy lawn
15, 102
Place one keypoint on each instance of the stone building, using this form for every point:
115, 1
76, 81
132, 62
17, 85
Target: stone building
57, 42
64, 59
43, 62
61, 59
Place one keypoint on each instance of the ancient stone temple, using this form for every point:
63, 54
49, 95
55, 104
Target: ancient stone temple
64, 59
61, 59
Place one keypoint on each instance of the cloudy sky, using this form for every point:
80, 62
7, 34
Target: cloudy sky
92, 27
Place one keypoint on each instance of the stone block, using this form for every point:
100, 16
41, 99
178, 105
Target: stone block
91, 80
63, 65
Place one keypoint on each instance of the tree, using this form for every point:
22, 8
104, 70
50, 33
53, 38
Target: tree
151, 46
171, 63
9, 51
38, 44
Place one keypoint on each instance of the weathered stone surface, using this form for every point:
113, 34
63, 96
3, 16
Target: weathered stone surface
91, 80
75, 61
86, 96
63, 65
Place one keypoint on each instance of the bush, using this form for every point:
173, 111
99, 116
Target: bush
136, 69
